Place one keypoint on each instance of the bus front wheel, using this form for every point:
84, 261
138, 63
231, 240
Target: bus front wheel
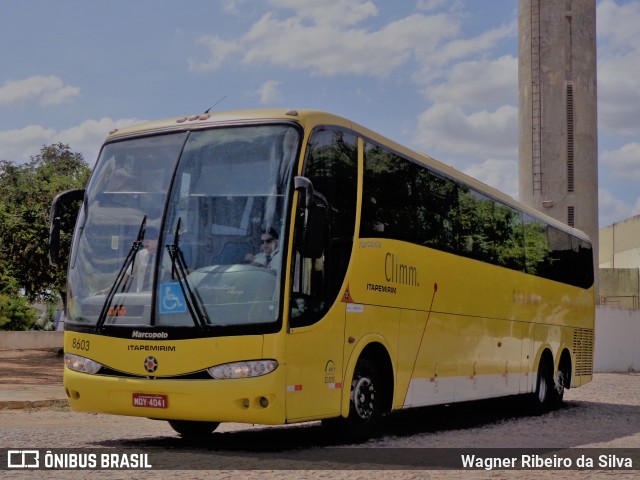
365, 405
192, 429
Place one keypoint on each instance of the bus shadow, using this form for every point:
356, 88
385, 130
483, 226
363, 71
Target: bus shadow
418, 426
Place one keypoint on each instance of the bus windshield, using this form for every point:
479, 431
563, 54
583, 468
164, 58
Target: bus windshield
184, 230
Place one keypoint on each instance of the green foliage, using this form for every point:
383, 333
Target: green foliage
16, 313
411, 203
27, 192
47, 319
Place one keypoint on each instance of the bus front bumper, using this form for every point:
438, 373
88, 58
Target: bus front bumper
248, 400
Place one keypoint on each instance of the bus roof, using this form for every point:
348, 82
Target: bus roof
310, 118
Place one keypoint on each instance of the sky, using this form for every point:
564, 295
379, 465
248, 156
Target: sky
439, 76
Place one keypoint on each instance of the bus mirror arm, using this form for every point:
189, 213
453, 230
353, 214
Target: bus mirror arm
54, 241
304, 184
315, 219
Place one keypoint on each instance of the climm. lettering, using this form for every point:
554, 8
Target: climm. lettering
397, 272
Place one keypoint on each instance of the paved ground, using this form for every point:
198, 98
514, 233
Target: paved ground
604, 414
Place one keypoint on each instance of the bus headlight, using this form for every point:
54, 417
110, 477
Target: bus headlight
251, 368
81, 364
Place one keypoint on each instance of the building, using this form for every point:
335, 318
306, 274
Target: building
620, 264
557, 111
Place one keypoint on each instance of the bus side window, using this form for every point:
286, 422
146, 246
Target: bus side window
331, 165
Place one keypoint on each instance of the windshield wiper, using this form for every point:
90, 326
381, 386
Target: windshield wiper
122, 274
179, 270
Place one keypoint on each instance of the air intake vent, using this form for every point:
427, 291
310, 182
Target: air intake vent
583, 351
571, 216
570, 139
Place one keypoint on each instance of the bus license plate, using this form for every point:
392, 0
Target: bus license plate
150, 400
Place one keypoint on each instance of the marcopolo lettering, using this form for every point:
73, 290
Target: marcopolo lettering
149, 335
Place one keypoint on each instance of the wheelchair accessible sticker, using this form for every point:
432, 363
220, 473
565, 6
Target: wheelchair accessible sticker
171, 298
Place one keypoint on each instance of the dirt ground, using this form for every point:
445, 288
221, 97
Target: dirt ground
31, 367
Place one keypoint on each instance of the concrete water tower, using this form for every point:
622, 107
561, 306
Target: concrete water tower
557, 111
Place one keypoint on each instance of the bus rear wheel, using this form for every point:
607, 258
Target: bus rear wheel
560, 383
192, 429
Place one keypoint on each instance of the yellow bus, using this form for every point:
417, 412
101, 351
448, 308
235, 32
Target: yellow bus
276, 266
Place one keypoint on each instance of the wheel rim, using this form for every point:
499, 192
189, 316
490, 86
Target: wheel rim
542, 390
364, 398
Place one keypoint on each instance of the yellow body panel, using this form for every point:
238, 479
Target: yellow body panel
201, 399
453, 318
175, 357
315, 362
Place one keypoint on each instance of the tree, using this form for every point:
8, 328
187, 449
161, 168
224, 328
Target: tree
27, 192
15, 311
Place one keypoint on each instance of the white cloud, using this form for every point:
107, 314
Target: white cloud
479, 83
89, 135
60, 95
618, 67
436, 4
500, 174
327, 38
327, 50
46, 90
618, 101
219, 51
20, 145
618, 23
623, 163
473, 112
611, 209
466, 47
435, 64
619, 93
270, 93
480, 134
329, 12
233, 6
430, 4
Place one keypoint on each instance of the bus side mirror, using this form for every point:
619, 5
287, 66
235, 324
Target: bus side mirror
61, 202
315, 221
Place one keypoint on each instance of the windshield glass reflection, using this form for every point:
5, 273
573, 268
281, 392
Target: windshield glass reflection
215, 260
227, 210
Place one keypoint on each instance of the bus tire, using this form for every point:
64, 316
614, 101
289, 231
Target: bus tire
365, 404
561, 382
542, 400
193, 429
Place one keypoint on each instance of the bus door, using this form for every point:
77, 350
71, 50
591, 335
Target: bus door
314, 352
322, 245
